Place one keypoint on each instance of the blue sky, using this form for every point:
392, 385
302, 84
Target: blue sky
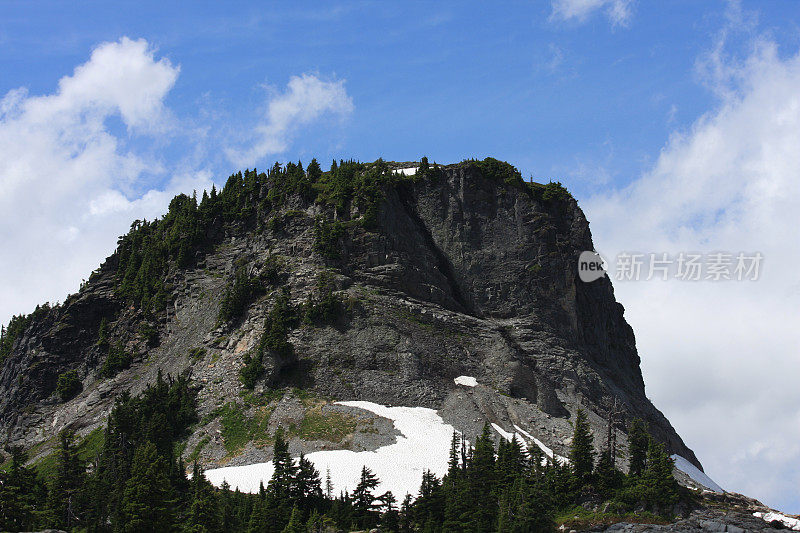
676, 125
451, 80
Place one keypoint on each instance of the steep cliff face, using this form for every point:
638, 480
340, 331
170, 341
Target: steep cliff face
460, 273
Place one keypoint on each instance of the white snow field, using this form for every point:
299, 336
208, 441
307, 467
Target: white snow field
787, 521
423, 445
466, 381
407, 171
695, 473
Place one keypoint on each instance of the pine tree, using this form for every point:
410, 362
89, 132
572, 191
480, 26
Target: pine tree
406, 524
204, 512
20, 494
328, 484
314, 171
581, 453
453, 462
307, 488
657, 482
295, 524
429, 506
259, 518
479, 506
280, 489
65, 498
146, 501
638, 440
609, 479
364, 499
390, 519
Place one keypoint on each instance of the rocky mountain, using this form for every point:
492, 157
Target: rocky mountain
451, 287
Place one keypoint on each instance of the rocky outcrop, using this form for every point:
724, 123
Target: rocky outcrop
462, 275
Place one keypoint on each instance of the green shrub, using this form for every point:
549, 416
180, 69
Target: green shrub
274, 341
197, 353
332, 426
16, 327
501, 171
238, 295
116, 361
238, 429
322, 310
555, 192
252, 370
148, 333
69, 385
326, 237
197, 449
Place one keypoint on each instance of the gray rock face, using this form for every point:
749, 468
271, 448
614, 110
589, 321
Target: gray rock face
464, 275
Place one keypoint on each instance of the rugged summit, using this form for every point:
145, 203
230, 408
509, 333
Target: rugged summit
379, 282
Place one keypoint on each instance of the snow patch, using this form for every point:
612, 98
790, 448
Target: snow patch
406, 171
424, 444
787, 521
547, 451
697, 475
526, 438
467, 381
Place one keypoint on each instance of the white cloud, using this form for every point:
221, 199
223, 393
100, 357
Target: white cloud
306, 99
722, 359
618, 11
63, 174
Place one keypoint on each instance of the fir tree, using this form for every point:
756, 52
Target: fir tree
295, 524
259, 518
581, 453
204, 513
20, 494
658, 485
146, 503
307, 487
638, 439
65, 498
364, 499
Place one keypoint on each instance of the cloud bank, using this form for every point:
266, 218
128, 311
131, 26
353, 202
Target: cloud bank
721, 359
77, 165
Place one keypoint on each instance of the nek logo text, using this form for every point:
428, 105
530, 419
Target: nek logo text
591, 266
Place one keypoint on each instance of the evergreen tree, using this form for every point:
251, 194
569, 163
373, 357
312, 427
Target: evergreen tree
429, 503
581, 453
658, 486
306, 484
146, 505
405, 523
281, 487
314, 171
482, 481
390, 518
364, 499
20, 494
204, 512
638, 440
609, 479
65, 498
259, 518
328, 484
295, 524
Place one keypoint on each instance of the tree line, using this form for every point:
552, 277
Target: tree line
138, 482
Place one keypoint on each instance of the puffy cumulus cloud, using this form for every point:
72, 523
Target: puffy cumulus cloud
722, 358
68, 186
305, 100
617, 11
